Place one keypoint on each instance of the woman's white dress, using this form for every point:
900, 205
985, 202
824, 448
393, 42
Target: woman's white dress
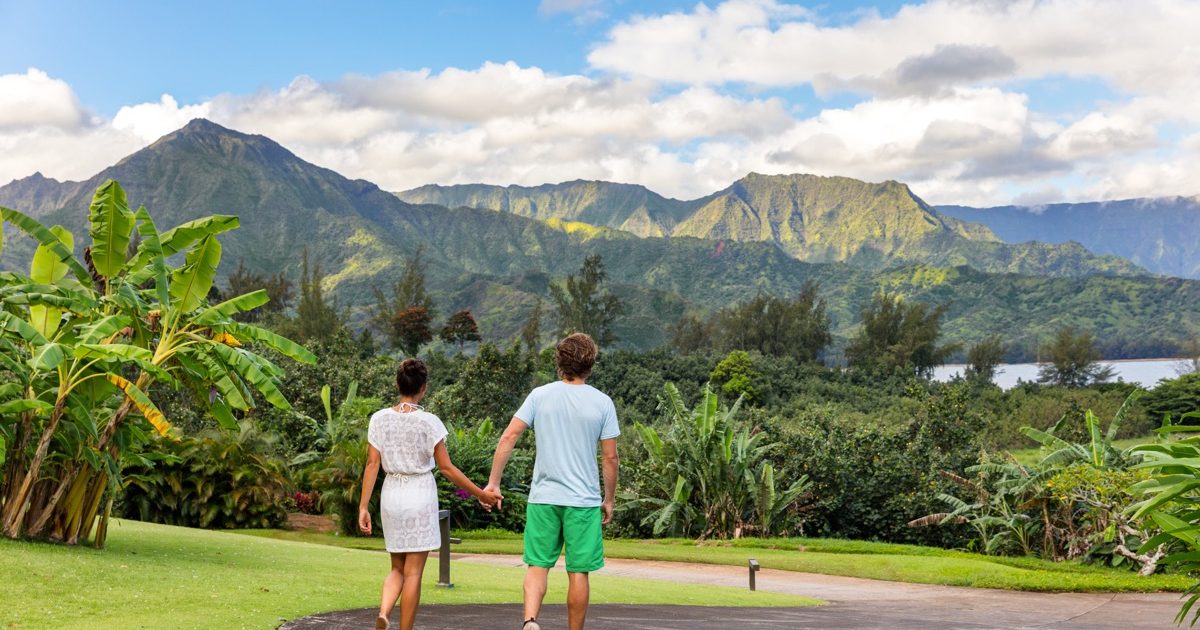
409, 504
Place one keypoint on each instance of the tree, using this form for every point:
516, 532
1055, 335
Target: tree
277, 286
317, 316
411, 329
984, 357
83, 343
797, 327
584, 306
460, 328
690, 335
490, 385
1074, 361
736, 376
899, 334
408, 293
531, 333
1191, 356
1173, 397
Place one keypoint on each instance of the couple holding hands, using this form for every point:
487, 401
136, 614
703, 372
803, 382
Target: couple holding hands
565, 509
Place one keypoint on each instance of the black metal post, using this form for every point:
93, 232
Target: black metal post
753, 569
444, 552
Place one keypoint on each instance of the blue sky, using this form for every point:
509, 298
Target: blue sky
115, 53
969, 102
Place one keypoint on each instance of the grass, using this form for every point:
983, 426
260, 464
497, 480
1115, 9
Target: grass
1031, 456
156, 576
880, 561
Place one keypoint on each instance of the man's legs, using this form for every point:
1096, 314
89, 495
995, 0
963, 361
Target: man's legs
535, 590
578, 593
543, 545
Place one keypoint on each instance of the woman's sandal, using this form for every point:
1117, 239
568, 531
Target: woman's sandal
531, 624
381, 623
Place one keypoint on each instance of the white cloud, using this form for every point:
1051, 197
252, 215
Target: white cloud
664, 107
1144, 46
151, 121
34, 99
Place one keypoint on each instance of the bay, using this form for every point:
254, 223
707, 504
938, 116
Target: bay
1145, 372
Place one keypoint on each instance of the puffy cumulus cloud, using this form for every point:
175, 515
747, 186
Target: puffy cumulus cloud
1146, 47
504, 123
33, 99
44, 127
150, 121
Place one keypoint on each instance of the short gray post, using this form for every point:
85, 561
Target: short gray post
444, 552
753, 569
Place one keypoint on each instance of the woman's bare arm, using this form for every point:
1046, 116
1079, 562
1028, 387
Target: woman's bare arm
370, 474
441, 456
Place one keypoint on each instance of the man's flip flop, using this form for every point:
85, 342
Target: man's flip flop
382, 623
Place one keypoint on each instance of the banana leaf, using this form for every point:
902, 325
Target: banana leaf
111, 226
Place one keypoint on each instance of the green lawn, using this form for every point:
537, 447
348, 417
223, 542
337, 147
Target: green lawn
155, 576
881, 561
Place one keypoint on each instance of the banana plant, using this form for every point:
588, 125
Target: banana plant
707, 475
86, 339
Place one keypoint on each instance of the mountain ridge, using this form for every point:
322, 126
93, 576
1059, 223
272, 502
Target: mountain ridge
1161, 234
813, 218
498, 264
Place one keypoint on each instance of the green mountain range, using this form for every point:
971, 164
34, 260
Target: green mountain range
811, 218
498, 263
1161, 234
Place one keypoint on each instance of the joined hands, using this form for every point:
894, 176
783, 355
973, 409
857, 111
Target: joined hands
492, 497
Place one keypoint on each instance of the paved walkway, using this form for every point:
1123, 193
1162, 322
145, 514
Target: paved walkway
854, 603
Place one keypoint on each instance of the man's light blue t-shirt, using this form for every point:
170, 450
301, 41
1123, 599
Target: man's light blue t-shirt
568, 421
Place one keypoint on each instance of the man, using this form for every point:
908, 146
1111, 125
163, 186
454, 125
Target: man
568, 418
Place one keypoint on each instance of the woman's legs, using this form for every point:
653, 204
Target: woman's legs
392, 585
410, 597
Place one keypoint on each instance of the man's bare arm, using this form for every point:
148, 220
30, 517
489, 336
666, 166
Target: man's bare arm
508, 441
612, 467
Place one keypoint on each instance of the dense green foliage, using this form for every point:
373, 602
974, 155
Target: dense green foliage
82, 341
707, 476
899, 335
1171, 502
217, 480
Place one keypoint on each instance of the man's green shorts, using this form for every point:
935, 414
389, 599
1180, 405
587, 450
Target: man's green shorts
548, 528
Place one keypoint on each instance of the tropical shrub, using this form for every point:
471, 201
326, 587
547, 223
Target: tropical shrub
84, 341
1173, 397
338, 479
874, 472
1077, 497
707, 476
472, 450
217, 480
1171, 501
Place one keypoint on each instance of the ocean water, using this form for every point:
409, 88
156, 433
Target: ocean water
1145, 372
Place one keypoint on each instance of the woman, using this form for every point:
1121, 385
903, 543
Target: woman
408, 441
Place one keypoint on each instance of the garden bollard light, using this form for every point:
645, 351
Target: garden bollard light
753, 569
444, 551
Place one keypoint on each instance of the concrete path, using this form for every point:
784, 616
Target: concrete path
854, 603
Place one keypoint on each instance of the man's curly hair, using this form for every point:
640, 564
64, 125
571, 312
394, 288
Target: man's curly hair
575, 356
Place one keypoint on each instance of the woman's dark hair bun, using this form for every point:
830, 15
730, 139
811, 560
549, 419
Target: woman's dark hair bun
411, 376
